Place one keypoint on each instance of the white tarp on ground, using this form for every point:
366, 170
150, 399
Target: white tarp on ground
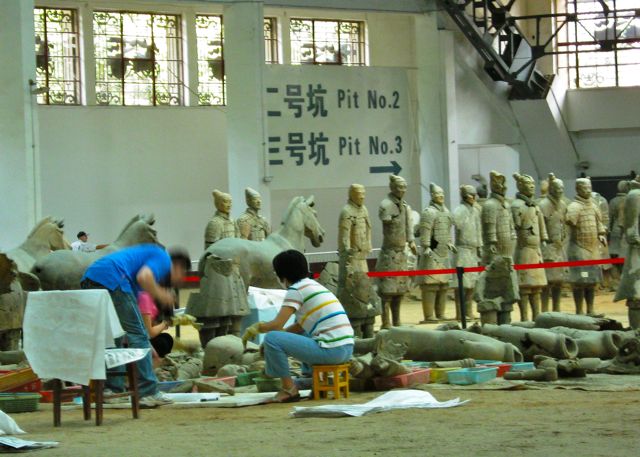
395, 399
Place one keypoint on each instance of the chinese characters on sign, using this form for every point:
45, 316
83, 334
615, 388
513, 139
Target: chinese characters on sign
345, 124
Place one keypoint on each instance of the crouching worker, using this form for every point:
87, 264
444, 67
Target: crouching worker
124, 274
321, 334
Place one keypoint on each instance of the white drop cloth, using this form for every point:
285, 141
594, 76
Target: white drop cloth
395, 399
66, 333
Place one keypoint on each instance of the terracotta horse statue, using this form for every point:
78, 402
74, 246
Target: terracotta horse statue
63, 270
45, 237
254, 257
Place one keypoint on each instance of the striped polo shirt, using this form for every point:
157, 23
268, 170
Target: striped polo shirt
319, 313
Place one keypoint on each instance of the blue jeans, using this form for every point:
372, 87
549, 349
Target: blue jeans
128, 312
280, 345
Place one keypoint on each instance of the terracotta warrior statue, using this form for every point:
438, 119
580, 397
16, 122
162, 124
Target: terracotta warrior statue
221, 225
554, 210
498, 234
397, 231
629, 288
531, 234
607, 268
354, 245
468, 224
251, 225
586, 234
354, 231
616, 220
544, 190
435, 239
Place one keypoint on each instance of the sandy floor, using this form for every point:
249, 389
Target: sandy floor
509, 423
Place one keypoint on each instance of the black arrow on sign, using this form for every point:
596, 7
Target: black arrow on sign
394, 168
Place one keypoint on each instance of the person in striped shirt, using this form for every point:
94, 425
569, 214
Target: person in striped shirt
321, 334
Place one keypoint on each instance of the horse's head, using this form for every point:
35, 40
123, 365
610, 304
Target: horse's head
49, 233
57, 240
312, 228
139, 231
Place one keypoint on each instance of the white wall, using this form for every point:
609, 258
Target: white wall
103, 165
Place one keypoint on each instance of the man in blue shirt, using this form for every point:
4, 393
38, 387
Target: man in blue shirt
124, 273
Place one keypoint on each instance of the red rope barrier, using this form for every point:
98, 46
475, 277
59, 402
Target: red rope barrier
523, 266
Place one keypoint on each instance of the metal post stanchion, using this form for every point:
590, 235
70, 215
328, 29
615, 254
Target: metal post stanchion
463, 305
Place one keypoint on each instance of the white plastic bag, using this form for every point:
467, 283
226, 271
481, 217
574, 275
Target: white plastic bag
8, 426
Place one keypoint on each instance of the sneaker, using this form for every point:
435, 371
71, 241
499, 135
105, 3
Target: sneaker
157, 399
116, 400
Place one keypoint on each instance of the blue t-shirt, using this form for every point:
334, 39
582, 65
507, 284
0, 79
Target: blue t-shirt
119, 270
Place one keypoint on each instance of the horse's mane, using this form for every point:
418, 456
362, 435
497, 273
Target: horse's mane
39, 225
294, 202
133, 220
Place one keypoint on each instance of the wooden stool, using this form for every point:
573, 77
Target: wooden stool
96, 388
330, 378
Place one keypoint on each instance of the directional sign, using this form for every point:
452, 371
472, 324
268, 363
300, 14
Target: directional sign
331, 126
394, 168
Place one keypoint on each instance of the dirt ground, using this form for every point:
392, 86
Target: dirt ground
493, 423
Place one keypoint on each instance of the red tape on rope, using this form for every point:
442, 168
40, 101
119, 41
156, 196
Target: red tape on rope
523, 266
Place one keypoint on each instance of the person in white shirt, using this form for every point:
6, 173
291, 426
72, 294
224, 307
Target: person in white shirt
82, 243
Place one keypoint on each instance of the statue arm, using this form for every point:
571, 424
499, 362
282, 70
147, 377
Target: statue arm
344, 232
211, 234
544, 234
243, 229
489, 217
426, 229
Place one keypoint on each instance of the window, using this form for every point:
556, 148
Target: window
138, 58
57, 56
586, 55
271, 40
211, 78
327, 42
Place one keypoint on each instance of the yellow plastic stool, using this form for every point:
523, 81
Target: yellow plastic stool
330, 378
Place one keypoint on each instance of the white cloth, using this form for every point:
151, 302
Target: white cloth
395, 399
264, 306
80, 245
118, 357
66, 333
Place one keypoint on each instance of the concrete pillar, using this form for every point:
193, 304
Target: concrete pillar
436, 115
19, 174
244, 66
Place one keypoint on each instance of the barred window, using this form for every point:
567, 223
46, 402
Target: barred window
598, 49
327, 42
210, 45
57, 56
271, 40
138, 58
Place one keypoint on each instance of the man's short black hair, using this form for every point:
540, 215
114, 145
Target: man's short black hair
291, 265
180, 256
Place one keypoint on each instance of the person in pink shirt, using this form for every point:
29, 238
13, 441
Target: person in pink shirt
161, 342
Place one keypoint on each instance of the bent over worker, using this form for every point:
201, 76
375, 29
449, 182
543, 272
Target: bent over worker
125, 273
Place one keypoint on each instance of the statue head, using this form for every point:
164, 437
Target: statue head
253, 198
398, 186
222, 201
497, 183
357, 193
525, 184
634, 184
623, 186
468, 194
556, 186
583, 188
437, 194
544, 187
